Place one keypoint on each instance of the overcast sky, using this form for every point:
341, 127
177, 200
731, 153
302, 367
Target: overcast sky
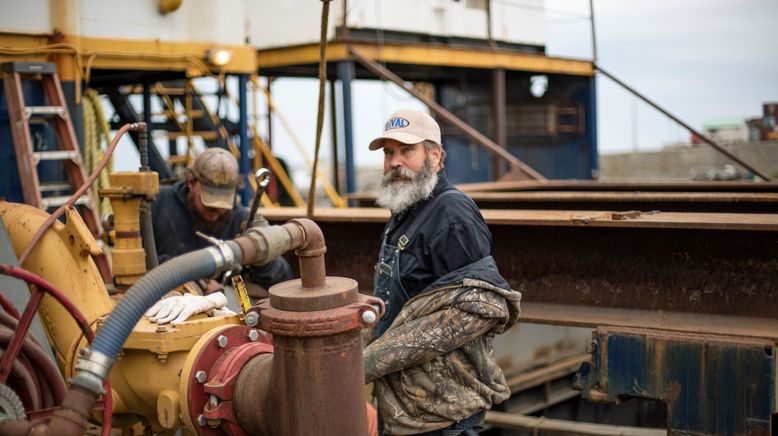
700, 59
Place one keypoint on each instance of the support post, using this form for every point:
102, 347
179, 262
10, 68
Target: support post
500, 131
346, 75
245, 165
147, 110
334, 138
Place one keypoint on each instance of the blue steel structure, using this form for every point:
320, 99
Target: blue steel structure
711, 385
346, 75
555, 134
245, 147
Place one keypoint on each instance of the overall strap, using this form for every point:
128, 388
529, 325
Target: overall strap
405, 238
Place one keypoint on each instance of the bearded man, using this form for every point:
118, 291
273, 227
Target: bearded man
431, 359
205, 201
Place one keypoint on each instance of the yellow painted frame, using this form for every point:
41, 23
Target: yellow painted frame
417, 54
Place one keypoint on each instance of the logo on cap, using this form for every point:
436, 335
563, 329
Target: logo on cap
396, 123
220, 178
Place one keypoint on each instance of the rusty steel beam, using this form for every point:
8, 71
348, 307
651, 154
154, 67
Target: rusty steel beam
738, 202
622, 185
680, 271
548, 425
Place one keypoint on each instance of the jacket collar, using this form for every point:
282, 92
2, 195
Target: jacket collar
181, 190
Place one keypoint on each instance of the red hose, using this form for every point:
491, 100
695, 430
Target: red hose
49, 288
9, 307
41, 363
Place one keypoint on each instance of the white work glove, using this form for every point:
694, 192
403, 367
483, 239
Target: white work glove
175, 310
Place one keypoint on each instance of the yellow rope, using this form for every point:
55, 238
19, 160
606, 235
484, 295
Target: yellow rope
96, 132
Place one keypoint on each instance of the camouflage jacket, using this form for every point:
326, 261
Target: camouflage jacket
435, 364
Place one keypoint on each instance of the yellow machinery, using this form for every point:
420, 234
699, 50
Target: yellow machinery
262, 372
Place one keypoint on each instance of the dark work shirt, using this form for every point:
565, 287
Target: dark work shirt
453, 236
174, 234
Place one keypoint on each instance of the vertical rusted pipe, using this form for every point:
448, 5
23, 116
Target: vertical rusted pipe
317, 386
314, 383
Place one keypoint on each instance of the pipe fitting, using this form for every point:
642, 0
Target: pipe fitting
262, 244
311, 254
93, 368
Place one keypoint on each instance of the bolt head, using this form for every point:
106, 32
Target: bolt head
253, 335
201, 376
252, 319
202, 421
369, 316
222, 341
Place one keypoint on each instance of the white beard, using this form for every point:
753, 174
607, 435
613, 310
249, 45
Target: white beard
399, 195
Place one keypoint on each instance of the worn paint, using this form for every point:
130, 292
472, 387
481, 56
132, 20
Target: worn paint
711, 384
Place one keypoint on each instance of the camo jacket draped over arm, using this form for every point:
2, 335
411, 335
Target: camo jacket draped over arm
435, 364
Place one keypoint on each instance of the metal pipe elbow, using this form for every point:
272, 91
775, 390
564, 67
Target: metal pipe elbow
311, 254
262, 244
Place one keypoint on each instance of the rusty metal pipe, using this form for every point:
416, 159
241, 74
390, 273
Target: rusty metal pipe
311, 254
22, 428
265, 243
72, 418
252, 392
314, 381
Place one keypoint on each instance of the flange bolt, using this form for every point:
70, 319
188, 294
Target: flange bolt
252, 319
368, 316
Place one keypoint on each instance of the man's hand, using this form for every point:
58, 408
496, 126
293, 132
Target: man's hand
175, 310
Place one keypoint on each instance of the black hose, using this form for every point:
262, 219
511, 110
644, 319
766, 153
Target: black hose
147, 235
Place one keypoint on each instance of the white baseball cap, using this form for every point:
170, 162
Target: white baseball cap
408, 126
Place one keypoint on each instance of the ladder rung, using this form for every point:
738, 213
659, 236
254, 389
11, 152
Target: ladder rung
44, 110
171, 91
195, 113
55, 186
59, 200
206, 135
28, 67
155, 91
55, 155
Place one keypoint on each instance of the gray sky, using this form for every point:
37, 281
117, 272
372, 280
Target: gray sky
700, 59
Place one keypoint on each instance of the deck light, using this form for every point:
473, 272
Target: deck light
219, 56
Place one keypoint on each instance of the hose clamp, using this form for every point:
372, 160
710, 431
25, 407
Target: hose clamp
222, 254
93, 367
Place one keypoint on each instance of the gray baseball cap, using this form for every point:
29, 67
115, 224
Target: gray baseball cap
217, 171
408, 126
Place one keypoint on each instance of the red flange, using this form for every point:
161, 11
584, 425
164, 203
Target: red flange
320, 323
213, 374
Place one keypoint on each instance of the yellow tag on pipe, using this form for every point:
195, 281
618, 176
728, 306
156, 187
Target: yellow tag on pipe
243, 295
